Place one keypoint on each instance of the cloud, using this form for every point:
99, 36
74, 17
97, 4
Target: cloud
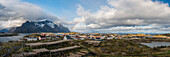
153, 28
2, 7
126, 13
12, 22
18, 11
125, 16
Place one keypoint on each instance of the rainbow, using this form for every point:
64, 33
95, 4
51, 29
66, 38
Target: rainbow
77, 24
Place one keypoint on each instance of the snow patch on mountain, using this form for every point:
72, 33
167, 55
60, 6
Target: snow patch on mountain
51, 25
40, 25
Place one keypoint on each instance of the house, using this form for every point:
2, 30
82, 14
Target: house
76, 37
109, 37
82, 38
66, 37
98, 39
42, 38
102, 37
31, 39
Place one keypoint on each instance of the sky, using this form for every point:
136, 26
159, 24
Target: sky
66, 8
88, 16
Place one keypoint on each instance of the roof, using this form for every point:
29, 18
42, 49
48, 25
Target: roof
67, 37
62, 49
46, 43
40, 50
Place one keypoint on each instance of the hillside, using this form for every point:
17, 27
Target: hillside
119, 47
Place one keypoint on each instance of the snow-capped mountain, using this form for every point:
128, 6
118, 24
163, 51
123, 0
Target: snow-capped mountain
39, 26
43, 23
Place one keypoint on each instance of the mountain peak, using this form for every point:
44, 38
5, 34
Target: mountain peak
40, 26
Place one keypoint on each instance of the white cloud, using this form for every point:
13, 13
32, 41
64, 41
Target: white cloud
93, 26
127, 16
12, 10
127, 12
12, 22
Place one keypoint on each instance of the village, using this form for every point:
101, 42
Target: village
78, 45
90, 36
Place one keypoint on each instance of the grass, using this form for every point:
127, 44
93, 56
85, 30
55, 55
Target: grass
117, 47
7, 48
107, 48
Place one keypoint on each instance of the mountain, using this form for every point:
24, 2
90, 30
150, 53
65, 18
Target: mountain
39, 26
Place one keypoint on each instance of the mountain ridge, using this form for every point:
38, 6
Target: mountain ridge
39, 26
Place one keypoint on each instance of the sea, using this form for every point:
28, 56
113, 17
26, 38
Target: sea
12, 38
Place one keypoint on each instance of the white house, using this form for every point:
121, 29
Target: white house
31, 39
66, 37
109, 37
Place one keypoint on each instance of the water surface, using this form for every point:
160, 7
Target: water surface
12, 38
156, 44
